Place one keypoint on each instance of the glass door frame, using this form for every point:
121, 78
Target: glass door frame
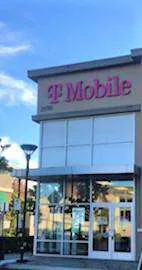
111, 253
99, 254
130, 256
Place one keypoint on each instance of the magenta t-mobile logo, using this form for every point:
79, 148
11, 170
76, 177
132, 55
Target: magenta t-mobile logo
70, 92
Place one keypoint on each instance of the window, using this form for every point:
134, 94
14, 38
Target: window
77, 190
63, 220
50, 222
48, 247
76, 223
75, 249
64, 214
107, 142
51, 192
112, 191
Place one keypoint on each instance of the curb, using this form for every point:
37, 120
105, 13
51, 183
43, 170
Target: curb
5, 262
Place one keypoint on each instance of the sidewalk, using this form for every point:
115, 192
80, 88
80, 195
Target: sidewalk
33, 267
42, 263
10, 259
56, 263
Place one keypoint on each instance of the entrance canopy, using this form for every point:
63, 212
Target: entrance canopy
36, 174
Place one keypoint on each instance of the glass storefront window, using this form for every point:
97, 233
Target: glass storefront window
48, 247
122, 229
76, 223
75, 249
64, 215
100, 229
51, 192
77, 189
50, 222
112, 191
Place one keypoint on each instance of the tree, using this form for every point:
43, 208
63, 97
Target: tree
11, 217
4, 166
31, 199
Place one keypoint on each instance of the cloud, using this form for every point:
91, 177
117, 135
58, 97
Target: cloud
2, 24
14, 90
13, 42
15, 155
7, 50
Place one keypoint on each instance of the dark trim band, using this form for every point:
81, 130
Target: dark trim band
102, 111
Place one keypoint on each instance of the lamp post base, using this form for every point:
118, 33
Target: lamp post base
22, 261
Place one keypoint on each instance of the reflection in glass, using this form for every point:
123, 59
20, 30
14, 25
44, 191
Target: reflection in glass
122, 235
50, 222
76, 223
77, 189
112, 191
75, 249
101, 229
69, 220
51, 192
48, 247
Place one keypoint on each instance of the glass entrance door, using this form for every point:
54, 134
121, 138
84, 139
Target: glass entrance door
123, 231
112, 231
101, 228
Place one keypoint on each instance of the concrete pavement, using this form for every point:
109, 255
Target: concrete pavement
33, 267
58, 263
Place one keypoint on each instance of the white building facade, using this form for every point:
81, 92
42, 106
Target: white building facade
89, 176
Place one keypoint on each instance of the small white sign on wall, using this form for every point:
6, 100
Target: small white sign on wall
102, 221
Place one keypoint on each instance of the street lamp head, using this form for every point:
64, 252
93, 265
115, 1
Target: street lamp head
28, 149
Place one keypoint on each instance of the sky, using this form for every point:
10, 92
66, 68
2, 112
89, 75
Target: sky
36, 34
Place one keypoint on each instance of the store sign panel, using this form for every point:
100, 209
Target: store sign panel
95, 89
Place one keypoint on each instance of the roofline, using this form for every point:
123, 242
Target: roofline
134, 58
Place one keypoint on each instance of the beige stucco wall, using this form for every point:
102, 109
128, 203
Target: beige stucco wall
6, 182
130, 72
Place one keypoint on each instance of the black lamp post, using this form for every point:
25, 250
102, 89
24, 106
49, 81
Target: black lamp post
28, 149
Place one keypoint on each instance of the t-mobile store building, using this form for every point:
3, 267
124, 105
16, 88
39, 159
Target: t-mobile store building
89, 177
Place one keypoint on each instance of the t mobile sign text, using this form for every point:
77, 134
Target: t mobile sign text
96, 89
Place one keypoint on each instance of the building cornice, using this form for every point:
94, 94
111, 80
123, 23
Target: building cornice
134, 58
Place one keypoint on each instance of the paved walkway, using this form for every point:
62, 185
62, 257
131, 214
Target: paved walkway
31, 267
42, 263
56, 263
